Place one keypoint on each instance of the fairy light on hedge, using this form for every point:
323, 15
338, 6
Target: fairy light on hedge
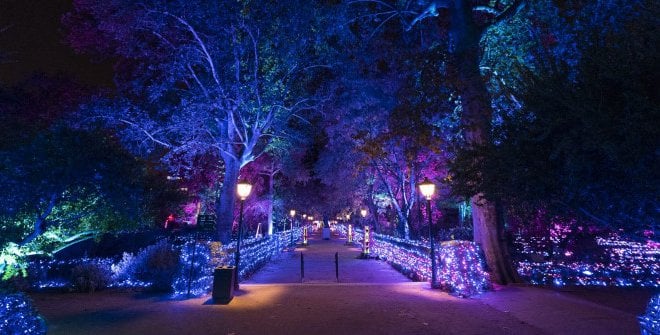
17, 316
649, 323
461, 269
629, 264
462, 272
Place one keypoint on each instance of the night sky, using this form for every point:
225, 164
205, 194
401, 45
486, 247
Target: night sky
31, 42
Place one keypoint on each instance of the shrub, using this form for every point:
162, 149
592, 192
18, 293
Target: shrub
90, 277
125, 269
17, 316
157, 264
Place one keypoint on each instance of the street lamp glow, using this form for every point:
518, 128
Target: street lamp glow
427, 188
292, 212
363, 212
243, 188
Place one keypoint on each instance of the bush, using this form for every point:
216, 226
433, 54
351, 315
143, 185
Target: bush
90, 277
17, 316
125, 269
157, 264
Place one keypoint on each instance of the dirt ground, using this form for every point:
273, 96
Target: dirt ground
370, 298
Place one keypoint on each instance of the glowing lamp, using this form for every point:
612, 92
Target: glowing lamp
363, 212
243, 188
427, 188
348, 216
292, 212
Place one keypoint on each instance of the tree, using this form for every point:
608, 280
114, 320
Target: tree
461, 25
64, 187
584, 140
199, 78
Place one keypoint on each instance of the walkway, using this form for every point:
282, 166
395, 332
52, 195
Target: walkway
319, 258
371, 298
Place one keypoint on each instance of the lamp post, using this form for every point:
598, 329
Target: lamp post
428, 189
243, 189
363, 213
293, 214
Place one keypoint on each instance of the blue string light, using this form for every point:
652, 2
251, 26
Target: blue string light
17, 316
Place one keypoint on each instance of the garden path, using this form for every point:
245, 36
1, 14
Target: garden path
319, 257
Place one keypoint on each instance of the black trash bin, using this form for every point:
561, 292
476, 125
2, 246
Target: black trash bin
223, 284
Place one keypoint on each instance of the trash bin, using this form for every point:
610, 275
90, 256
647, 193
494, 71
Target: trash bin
223, 284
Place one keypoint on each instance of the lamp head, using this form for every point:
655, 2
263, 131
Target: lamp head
427, 188
243, 189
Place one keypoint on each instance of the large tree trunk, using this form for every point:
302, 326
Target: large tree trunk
224, 205
477, 114
271, 196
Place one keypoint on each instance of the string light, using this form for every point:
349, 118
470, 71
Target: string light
461, 271
649, 323
17, 316
629, 264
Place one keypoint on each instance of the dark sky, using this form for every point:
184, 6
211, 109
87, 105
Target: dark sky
32, 41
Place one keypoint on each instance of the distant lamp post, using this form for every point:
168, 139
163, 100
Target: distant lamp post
305, 242
243, 189
363, 213
428, 189
293, 215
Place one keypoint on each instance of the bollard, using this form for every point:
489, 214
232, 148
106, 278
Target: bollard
365, 242
302, 267
305, 235
337, 266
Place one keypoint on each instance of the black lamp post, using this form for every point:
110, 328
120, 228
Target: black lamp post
363, 213
243, 189
428, 189
293, 215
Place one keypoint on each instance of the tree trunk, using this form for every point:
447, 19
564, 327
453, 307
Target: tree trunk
224, 205
477, 114
271, 196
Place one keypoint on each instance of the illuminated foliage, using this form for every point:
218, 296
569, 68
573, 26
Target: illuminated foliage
17, 316
200, 78
582, 141
63, 187
650, 321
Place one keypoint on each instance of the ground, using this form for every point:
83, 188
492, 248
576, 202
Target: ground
369, 298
